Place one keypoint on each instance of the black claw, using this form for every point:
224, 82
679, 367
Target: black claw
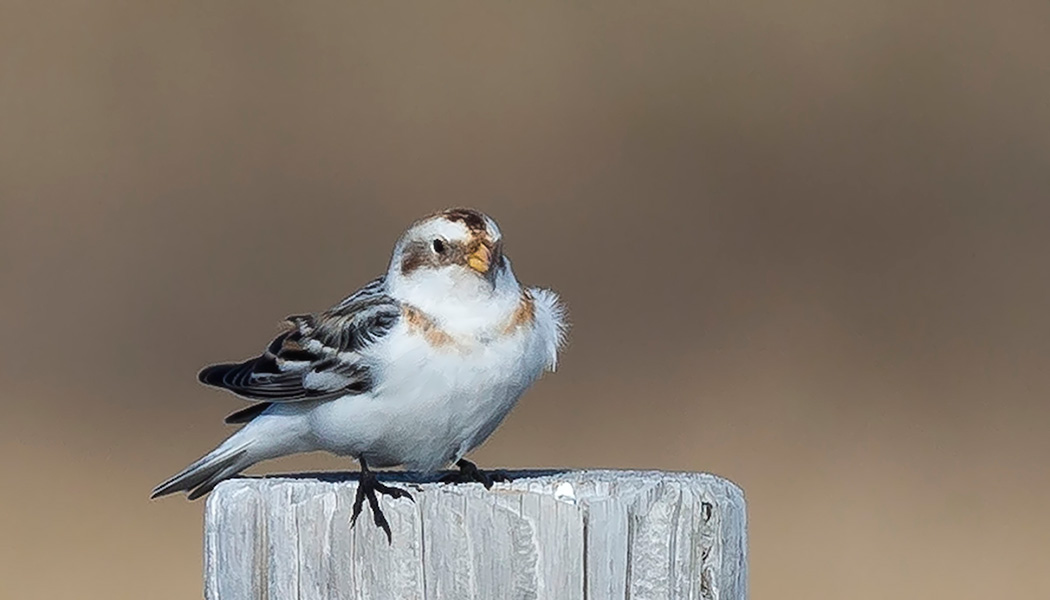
470, 473
500, 476
367, 486
393, 492
359, 499
379, 517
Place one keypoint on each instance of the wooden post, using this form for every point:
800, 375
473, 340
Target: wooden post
547, 535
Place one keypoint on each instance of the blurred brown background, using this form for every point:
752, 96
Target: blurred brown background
804, 245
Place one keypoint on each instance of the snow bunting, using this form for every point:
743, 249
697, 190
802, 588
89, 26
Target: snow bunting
415, 369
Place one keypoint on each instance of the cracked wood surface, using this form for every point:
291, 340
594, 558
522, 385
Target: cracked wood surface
567, 535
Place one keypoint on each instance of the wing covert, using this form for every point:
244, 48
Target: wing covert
318, 356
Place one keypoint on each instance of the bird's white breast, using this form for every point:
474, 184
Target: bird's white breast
440, 394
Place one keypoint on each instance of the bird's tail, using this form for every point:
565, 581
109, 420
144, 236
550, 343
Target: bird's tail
278, 431
199, 478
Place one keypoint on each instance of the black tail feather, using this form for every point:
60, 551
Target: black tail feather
247, 414
204, 474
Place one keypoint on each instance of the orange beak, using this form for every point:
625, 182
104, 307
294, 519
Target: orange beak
481, 259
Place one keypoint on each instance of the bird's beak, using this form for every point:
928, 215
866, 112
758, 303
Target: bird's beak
480, 259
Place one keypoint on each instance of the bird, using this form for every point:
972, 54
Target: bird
415, 369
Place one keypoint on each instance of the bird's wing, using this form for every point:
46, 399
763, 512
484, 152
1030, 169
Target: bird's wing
317, 358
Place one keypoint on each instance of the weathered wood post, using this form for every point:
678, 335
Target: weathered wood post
547, 535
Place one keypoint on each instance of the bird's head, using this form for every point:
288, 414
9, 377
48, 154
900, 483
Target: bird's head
456, 251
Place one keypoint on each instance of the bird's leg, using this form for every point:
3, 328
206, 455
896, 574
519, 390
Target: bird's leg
470, 473
367, 486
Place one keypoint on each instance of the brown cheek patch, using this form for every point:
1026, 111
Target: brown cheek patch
421, 324
415, 256
524, 315
457, 253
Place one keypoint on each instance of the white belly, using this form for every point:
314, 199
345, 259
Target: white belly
430, 405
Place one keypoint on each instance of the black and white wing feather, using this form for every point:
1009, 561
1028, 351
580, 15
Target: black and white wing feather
317, 358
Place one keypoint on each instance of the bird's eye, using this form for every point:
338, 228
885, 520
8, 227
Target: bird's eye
439, 246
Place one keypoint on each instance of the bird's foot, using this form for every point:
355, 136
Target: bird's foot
470, 473
367, 486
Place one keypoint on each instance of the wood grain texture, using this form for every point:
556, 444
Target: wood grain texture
569, 535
